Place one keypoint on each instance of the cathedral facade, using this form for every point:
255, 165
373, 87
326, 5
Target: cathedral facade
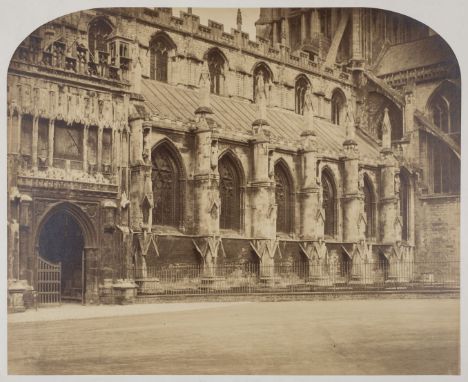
137, 139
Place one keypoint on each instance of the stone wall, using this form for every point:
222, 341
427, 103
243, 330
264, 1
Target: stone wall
438, 228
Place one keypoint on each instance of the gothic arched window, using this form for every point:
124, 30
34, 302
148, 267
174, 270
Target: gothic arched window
160, 49
167, 196
404, 205
98, 34
444, 108
261, 71
300, 90
444, 167
329, 203
369, 207
440, 114
216, 67
338, 102
230, 194
283, 198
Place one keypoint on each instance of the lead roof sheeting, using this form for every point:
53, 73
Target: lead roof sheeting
177, 103
414, 54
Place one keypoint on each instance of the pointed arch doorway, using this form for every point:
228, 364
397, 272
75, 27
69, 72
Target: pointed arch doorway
65, 240
61, 242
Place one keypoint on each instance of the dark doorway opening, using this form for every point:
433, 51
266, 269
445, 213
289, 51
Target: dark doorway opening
383, 266
61, 241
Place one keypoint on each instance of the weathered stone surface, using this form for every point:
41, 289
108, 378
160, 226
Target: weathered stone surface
83, 129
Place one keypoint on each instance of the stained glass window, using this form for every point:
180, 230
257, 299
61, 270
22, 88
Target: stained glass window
329, 204
216, 68
369, 207
98, 34
160, 48
229, 190
283, 194
166, 188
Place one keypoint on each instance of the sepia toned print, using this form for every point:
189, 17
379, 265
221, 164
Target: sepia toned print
154, 159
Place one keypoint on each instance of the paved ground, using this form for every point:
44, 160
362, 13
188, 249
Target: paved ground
77, 311
310, 337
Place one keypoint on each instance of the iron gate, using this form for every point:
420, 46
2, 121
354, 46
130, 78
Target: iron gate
48, 282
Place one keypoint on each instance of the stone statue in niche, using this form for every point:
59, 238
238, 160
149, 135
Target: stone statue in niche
14, 242
214, 155
271, 167
397, 184
361, 181
260, 88
146, 145
100, 107
308, 105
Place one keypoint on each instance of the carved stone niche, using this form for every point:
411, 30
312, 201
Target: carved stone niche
25, 210
109, 209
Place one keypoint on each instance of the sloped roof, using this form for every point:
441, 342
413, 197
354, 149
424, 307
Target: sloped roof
236, 116
414, 54
425, 124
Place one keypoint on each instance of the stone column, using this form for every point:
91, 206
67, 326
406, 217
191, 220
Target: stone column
92, 265
85, 148
137, 180
285, 31
354, 229
389, 214
10, 133
15, 132
18, 132
303, 27
115, 150
99, 148
314, 23
352, 197
206, 179
275, 32
262, 194
262, 185
35, 132
413, 148
136, 139
357, 33
311, 225
50, 158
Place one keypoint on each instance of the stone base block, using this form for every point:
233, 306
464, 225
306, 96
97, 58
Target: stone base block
357, 280
148, 285
267, 280
212, 280
16, 290
124, 292
319, 281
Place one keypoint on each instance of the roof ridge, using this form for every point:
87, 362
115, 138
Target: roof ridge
415, 40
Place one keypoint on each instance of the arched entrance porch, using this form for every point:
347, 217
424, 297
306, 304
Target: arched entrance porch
66, 255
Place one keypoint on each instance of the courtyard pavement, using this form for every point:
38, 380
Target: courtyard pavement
351, 337
74, 311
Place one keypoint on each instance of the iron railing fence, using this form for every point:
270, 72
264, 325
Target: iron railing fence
297, 277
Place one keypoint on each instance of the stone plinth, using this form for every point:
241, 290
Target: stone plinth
213, 282
318, 274
16, 289
124, 292
148, 285
362, 273
399, 271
